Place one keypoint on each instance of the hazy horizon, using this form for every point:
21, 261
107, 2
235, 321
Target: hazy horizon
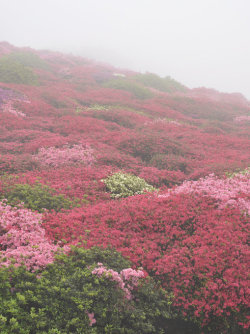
197, 42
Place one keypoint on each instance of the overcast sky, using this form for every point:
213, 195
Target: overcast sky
197, 42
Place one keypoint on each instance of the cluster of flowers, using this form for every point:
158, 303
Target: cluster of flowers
233, 191
7, 97
65, 155
198, 252
162, 120
8, 107
92, 319
126, 280
23, 240
240, 119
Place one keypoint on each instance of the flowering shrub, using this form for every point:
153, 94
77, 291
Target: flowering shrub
14, 72
242, 119
166, 84
23, 240
8, 94
198, 252
8, 107
67, 298
134, 88
38, 197
124, 185
126, 275
7, 98
162, 121
233, 191
55, 157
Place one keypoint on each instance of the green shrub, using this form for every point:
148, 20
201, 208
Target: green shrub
124, 185
59, 299
12, 71
37, 197
170, 162
136, 89
53, 101
166, 84
28, 59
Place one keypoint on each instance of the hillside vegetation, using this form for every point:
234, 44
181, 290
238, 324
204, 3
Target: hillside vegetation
124, 200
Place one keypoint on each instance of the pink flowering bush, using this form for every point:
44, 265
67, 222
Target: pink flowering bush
7, 99
92, 319
228, 192
8, 107
242, 119
127, 280
162, 121
23, 240
66, 155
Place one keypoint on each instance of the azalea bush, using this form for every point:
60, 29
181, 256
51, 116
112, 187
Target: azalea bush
197, 250
231, 191
133, 87
166, 84
75, 294
12, 71
38, 197
29, 59
23, 240
66, 155
124, 185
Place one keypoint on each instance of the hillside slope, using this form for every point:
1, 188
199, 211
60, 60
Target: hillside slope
111, 157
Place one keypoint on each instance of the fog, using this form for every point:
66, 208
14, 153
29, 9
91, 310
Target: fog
197, 42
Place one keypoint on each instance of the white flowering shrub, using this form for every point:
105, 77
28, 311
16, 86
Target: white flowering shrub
124, 185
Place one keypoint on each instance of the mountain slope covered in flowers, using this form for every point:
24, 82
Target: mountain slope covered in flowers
94, 156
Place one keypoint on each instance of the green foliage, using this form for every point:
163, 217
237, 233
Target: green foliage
136, 89
238, 172
124, 185
166, 84
59, 300
170, 162
28, 59
12, 71
53, 100
38, 197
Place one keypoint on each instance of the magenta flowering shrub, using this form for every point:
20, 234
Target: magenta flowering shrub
23, 240
127, 280
233, 191
66, 155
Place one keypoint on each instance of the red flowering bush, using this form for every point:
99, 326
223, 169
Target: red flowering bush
199, 252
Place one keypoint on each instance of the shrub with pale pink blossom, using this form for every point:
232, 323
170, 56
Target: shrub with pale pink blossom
8, 108
23, 240
127, 280
66, 155
163, 121
242, 119
233, 191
